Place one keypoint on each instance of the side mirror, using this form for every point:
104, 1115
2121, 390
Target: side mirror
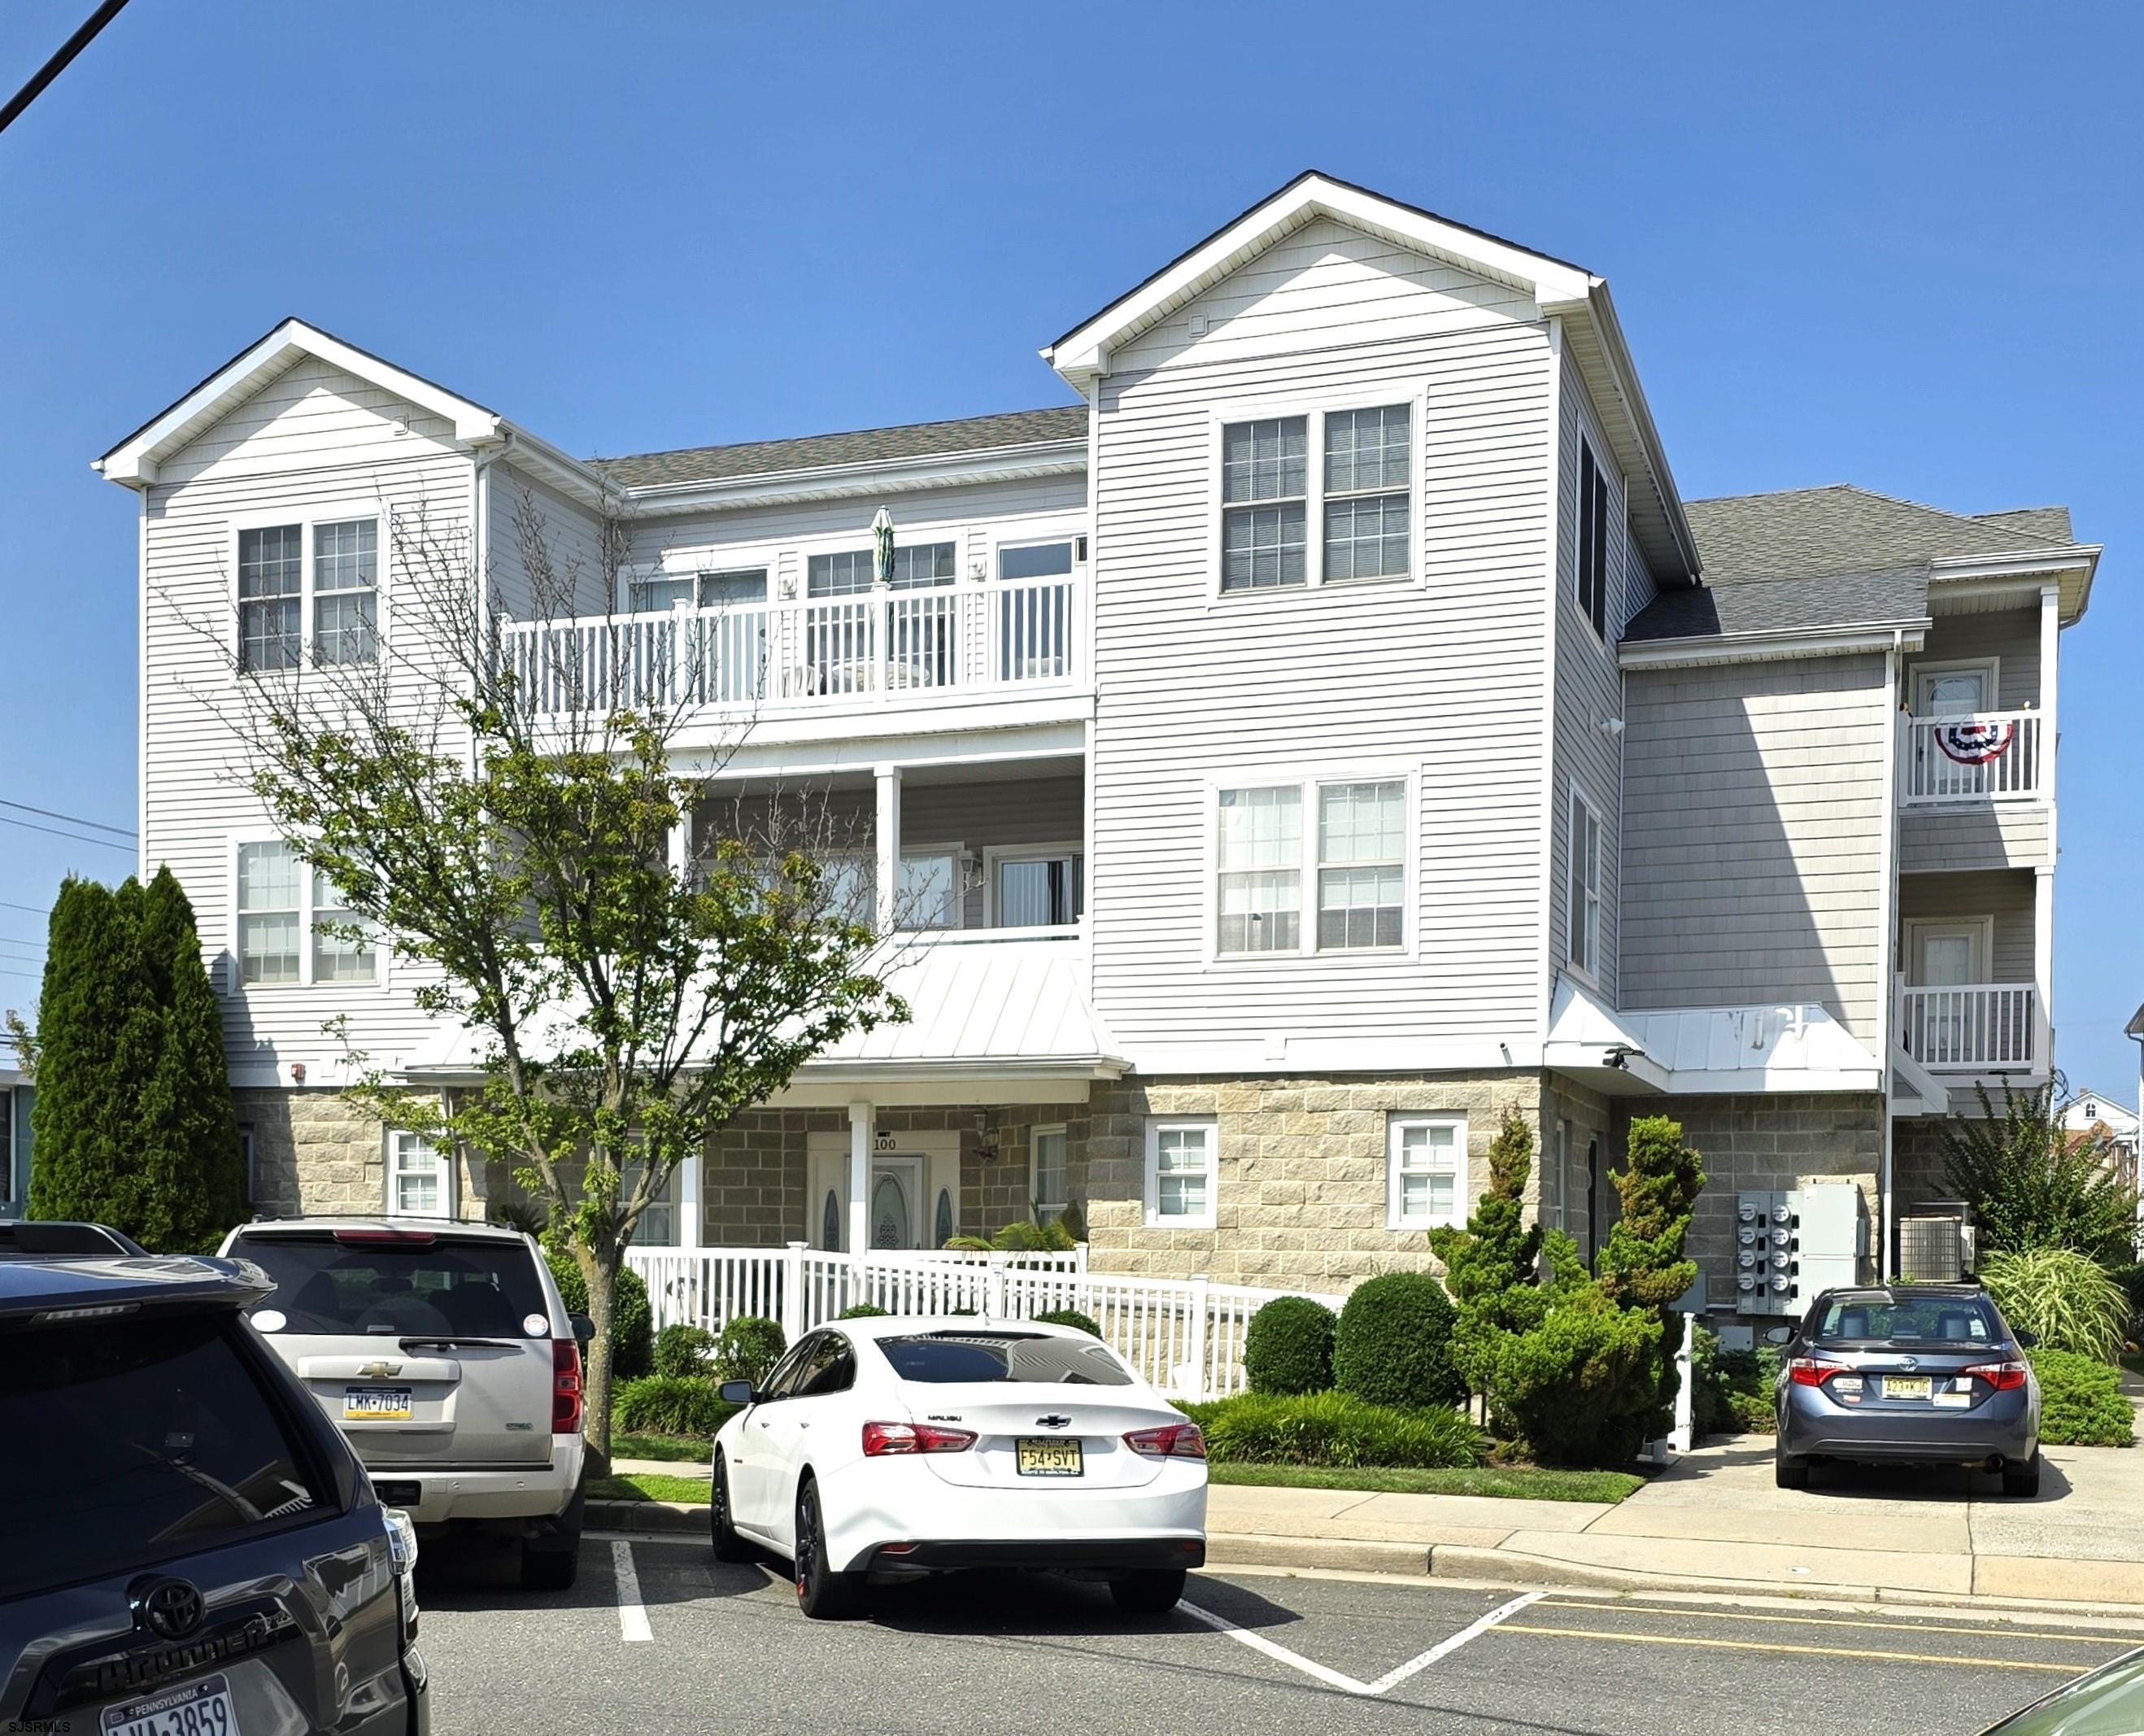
737, 1392
584, 1329
1781, 1335
2026, 1341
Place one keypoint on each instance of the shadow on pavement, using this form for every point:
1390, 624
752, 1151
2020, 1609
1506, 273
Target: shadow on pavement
1047, 1606
481, 1573
1744, 1454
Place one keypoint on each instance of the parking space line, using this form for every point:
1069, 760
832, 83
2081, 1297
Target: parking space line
1346, 1684
631, 1614
2074, 1637
1951, 1658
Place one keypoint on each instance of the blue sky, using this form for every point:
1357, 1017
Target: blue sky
1849, 244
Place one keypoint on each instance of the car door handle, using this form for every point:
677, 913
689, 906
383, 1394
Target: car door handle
805, 1425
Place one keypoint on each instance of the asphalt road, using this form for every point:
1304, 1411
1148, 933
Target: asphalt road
658, 1638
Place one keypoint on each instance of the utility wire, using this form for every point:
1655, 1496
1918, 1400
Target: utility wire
57, 64
72, 819
34, 909
6, 819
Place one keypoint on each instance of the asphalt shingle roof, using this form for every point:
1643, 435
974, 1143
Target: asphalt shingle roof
1784, 605
864, 445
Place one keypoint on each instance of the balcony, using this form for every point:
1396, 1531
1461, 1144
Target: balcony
1976, 1027
864, 651
1977, 758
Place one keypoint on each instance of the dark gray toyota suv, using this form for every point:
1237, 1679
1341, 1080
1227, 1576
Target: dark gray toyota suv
190, 1545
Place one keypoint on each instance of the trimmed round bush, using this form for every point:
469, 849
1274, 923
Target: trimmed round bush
1070, 1317
1330, 1427
1288, 1347
750, 1346
668, 1405
632, 1321
2081, 1401
862, 1311
682, 1351
1393, 1344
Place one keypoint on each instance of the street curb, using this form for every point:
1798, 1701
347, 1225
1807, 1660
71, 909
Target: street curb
647, 1516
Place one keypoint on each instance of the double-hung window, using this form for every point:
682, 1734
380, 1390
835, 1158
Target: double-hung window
1351, 859
274, 604
1047, 1180
420, 1183
1180, 1174
1592, 541
279, 903
1261, 870
1424, 1171
1360, 866
1316, 498
1583, 913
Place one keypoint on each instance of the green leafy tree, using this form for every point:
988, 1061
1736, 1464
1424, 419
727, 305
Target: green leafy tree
2033, 1183
509, 831
1489, 1265
1642, 1265
132, 1120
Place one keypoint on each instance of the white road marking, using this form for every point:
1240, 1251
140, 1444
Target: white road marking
1346, 1684
632, 1616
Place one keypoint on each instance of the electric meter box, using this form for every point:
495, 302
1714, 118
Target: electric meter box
1765, 1252
1833, 1233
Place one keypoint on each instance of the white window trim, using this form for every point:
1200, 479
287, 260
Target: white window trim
1154, 1127
1035, 1136
1027, 535
1395, 1125
310, 883
1990, 666
444, 1154
309, 520
995, 855
689, 562
1308, 780
959, 853
1313, 408
858, 540
1589, 972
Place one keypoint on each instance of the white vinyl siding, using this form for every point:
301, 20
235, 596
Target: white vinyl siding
420, 1180
1180, 1174
1425, 1172
1047, 1178
1260, 888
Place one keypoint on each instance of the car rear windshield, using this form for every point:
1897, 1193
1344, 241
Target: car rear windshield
443, 1288
1909, 1320
945, 1359
138, 1439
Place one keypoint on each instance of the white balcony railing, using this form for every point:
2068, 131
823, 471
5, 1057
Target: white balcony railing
1976, 1028
1989, 756
821, 650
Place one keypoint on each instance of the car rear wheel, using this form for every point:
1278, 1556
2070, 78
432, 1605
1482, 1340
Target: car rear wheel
2022, 1479
1153, 1591
553, 1561
728, 1546
1788, 1472
821, 1593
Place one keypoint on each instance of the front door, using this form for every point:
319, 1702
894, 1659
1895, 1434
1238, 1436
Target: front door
1946, 956
1952, 692
896, 1202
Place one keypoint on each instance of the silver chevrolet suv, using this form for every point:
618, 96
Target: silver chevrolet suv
444, 1354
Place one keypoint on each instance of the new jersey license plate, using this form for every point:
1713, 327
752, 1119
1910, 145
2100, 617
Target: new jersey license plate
1905, 1386
199, 1709
376, 1405
1034, 1458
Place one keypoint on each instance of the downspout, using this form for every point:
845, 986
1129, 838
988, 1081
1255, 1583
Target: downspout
481, 464
1886, 983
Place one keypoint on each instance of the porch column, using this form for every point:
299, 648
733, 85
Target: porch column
690, 1220
861, 1131
2044, 970
2043, 881
887, 834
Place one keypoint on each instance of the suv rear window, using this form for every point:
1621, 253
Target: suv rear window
447, 1288
942, 1358
152, 1436
1880, 1319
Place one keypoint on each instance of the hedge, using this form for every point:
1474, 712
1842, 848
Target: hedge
1330, 1427
683, 1350
1393, 1343
633, 1322
1288, 1347
862, 1311
1070, 1317
2081, 1401
750, 1346
668, 1405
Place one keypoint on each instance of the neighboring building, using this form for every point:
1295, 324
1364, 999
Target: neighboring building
2095, 1112
16, 1096
1332, 732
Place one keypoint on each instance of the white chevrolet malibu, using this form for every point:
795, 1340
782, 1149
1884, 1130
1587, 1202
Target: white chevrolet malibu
883, 1449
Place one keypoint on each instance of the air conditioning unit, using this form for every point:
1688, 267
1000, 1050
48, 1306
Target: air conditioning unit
1936, 1244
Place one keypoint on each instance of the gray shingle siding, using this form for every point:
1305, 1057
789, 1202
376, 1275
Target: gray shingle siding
865, 446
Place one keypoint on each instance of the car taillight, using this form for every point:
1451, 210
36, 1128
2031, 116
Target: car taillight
1171, 1440
1808, 1371
565, 1386
402, 1551
881, 1439
2002, 1376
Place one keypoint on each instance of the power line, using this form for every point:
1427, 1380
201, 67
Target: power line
72, 819
34, 909
26, 976
57, 64
6, 819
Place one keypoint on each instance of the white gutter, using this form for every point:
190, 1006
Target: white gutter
1887, 938
1780, 642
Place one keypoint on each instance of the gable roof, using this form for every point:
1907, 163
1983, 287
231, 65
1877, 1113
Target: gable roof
134, 459
1802, 532
1774, 606
1562, 291
1055, 426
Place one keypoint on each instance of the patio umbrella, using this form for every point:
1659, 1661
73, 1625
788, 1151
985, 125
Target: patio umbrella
882, 543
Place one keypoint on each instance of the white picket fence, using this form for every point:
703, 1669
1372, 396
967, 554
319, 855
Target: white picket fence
1184, 1335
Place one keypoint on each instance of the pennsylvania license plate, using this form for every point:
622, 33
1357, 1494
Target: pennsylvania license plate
199, 1709
1047, 1459
1905, 1386
389, 1404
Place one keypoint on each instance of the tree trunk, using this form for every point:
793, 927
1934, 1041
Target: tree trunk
601, 1275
